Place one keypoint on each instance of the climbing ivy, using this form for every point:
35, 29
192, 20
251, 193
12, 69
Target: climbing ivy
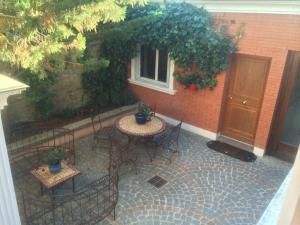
194, 41
191, 35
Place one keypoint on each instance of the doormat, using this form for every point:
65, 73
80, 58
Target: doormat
232, 151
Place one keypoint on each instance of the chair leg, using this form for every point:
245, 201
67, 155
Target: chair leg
170, 155
94, 143
114, 213
171, 152
135, 165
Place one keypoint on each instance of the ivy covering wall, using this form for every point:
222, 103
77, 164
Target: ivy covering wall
192, 37
48, 39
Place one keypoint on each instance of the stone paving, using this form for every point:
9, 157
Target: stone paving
203, 187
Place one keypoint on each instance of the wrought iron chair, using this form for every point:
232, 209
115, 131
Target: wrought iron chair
24, 162
168, 141
101, 134
24, 143
153, 109
28, 138
87, 206
21, 165
125, 154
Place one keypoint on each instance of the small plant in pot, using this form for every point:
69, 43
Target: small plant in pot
144, 113
54, 160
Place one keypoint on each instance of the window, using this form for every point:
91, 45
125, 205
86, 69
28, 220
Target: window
152, 68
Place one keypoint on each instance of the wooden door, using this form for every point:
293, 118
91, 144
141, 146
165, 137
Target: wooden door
285, 134
246, 84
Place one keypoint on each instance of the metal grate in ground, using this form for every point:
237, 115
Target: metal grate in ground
157, 181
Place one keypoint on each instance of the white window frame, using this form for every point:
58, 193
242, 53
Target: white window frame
137, 79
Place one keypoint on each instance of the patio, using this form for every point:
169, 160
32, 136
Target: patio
203, 187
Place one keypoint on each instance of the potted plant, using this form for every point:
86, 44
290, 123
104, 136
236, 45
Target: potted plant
54, 160
143, 114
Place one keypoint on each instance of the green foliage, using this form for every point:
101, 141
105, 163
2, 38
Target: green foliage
106, 89
108, 83
144, 109
39, 93
56, 157
142, 11
68, 113
32, 31
199, 80
189, 33
94, 64
40, 35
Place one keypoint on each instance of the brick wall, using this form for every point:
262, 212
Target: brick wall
265, 35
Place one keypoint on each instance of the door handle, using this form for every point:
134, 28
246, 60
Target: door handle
244, 102
230, 97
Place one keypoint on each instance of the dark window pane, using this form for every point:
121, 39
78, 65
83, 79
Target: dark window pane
162, 65
147, 62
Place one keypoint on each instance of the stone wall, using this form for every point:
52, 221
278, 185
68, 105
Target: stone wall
68, 90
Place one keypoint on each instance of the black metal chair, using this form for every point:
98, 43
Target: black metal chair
27, 138
28, 148
168, 141
25, 144
126, 154
153, 109
87, 206
101, 134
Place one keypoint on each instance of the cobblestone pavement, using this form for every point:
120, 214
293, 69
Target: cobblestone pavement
203, 187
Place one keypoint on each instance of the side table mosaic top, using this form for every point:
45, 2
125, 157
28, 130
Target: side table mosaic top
129, 126
50, 180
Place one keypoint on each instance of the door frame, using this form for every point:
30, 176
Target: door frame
240, 144
285, 90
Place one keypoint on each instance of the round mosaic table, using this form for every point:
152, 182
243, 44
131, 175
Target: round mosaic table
129, 126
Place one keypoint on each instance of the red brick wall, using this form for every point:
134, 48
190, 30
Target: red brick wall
265, 35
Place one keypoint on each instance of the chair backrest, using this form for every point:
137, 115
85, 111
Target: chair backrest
114, 153
24, 138
175, 132
21, 165
45, 151
96, 123
153, 109
27, 145
173, 135
89, 205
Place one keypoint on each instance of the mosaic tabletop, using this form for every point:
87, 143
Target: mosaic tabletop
128, 125
49, 179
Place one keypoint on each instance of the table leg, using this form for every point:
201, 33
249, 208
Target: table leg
147, 141
42, 189
73, 183
125, 154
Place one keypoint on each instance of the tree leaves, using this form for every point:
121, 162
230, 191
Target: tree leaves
32, 30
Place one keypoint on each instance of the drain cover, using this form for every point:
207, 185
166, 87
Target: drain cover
157, 181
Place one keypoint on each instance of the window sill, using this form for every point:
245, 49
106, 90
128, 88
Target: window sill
152, 86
